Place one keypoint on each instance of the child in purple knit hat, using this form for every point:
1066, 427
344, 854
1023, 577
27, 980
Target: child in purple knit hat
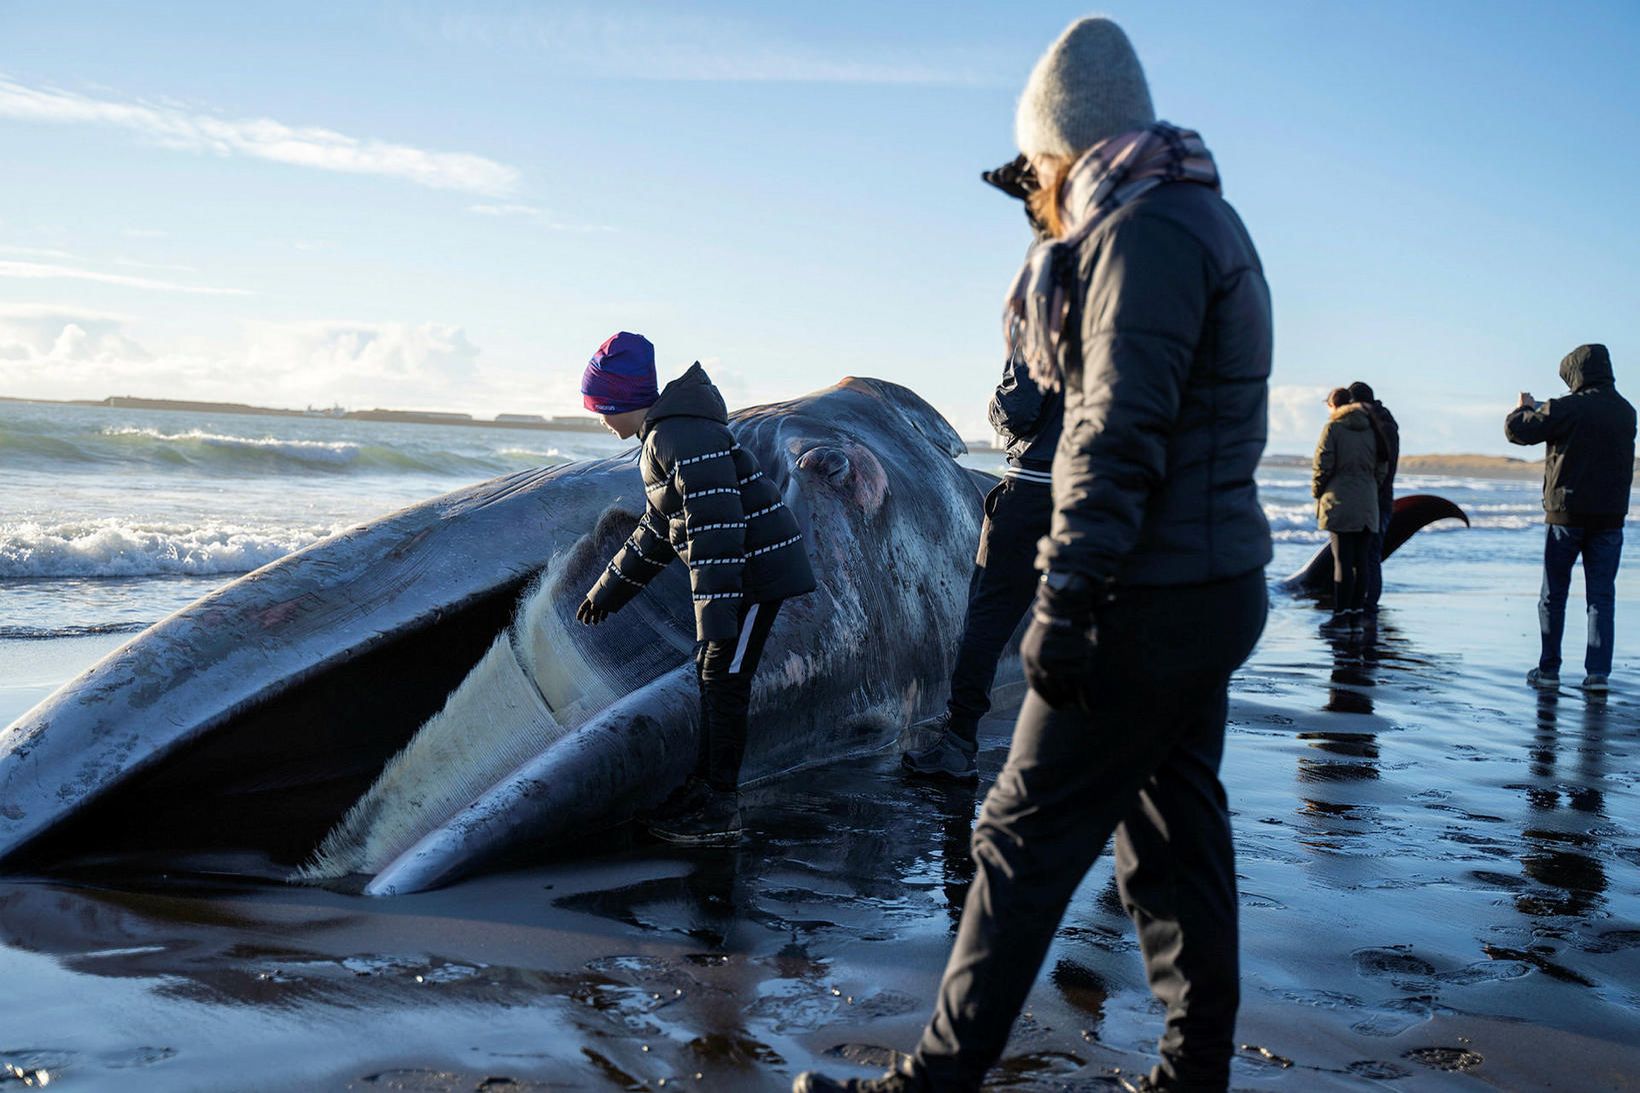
619, 383
709, 503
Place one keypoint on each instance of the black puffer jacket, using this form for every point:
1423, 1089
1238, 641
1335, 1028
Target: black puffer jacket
1166, 391
1026, 417
1389, 430
1589, 469
720, 515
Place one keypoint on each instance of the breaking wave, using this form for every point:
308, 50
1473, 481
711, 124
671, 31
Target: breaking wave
119, 548
217, 453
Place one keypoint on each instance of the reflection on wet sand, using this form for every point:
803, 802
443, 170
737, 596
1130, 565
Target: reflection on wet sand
1563, 813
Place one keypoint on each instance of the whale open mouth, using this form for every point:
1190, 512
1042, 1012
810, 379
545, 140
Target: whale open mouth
275, 778
345, 770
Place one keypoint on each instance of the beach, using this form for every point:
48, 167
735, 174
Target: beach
1439, 869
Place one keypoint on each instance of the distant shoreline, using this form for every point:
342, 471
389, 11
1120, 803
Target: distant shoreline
579, 423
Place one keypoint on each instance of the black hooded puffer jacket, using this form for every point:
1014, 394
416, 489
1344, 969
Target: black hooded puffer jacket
1166, 390
1589, 469
719, 514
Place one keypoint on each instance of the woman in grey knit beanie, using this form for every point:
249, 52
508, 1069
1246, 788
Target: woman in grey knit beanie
1144, 298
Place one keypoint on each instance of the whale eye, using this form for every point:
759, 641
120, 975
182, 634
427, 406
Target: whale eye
830, 463
850, 469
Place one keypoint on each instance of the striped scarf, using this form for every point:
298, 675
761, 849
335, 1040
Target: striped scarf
1108, 176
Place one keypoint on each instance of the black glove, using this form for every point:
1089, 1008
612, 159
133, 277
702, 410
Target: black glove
590, 613
1058, 646
1017, 178
1014, 178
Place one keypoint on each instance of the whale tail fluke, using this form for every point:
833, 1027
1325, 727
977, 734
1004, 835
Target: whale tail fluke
1412, 514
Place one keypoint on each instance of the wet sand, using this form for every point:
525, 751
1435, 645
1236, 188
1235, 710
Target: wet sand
1440, 889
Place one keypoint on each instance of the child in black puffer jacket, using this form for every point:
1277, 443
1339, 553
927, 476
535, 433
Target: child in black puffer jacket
708, 503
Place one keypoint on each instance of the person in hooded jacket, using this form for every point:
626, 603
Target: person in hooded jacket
1389, 431
1146, 304
709, 503
1587, 476
1350, 464
1018, 512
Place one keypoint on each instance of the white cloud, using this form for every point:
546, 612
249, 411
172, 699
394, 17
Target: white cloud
535, 215
34, 336
422, 365
37, 252
162, 267
1297, 413
57, 353
261, 138
40, 271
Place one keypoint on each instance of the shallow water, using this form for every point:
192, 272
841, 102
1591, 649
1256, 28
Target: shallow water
1440, 888
1439, 869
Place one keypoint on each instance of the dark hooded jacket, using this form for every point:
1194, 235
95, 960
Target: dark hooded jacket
1389, 432
709, 504
1166, 392
1589, 468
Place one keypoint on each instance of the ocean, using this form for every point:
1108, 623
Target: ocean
113, 518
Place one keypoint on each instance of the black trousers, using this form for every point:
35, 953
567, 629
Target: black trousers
1141, 760
1350, 569
725, 670
1017, 514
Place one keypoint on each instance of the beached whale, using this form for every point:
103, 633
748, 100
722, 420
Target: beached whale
412, 699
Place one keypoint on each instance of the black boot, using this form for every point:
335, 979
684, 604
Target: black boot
716, 821
949, 755
687, 798
892, 1082
1338, 625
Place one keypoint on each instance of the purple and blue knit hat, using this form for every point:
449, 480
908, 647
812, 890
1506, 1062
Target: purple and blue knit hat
620, 376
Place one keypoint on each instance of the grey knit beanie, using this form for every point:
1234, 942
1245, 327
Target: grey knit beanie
1087, 86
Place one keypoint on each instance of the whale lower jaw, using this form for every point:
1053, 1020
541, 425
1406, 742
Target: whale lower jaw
627, 758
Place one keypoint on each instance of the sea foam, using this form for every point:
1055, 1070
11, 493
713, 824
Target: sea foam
118, 548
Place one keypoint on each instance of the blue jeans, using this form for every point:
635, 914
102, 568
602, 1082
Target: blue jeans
1601, 550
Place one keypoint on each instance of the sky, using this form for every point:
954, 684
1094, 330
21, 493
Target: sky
449, 206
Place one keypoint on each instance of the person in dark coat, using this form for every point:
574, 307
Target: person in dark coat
1587, 477
1017, 514
1018, 511
1348, 470
1389, 433
708, 503
1153, 587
